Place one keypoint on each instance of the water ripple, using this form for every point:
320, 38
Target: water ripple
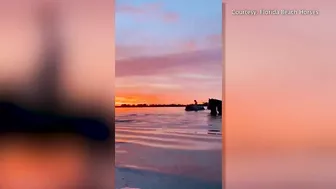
169, 128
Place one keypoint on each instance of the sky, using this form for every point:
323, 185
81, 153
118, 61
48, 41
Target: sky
168, 51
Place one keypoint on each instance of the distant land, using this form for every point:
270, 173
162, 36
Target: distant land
154, 105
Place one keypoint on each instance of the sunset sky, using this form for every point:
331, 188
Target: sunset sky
168, 51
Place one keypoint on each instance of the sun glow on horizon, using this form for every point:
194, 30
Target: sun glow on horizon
153, 99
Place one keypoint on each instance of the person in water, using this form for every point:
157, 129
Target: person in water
195, 102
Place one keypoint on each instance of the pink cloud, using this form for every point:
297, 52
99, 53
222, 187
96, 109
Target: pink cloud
147, 8
190, 45
131, 9
129, 51
155, 9
171, 17
147, 45
132, 51
214, 39
152, 47
195, 61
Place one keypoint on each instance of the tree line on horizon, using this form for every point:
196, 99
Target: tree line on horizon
157, 105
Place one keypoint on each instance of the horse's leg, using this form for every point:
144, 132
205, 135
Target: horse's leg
219, 107
213, 111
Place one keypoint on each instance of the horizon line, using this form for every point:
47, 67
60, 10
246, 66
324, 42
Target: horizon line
155, 104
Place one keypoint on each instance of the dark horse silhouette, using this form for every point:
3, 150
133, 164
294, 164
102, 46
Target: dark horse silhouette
215, 107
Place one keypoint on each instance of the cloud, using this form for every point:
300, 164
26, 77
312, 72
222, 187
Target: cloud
131, 9
194, 62
190, 45
149, 10
215, 39
170, 17
152, 47
129, 51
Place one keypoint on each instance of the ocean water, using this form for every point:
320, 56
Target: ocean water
161, 148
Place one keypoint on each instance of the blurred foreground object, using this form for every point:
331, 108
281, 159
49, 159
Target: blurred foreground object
42, 145
43, 112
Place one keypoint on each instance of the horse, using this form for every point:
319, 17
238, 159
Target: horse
215, 107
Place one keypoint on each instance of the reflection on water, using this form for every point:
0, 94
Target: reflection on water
168, 128
167, 144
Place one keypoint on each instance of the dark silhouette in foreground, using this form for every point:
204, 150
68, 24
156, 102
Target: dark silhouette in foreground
38, 126
43, 114
215, 107
19, 119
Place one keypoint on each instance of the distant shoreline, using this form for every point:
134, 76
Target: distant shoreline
147, 106
155, 106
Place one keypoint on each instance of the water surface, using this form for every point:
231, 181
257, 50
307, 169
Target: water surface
167, 148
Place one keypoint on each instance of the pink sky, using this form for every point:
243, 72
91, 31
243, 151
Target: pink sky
168, 52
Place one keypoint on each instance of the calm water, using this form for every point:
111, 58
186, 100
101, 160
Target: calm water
158, 148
